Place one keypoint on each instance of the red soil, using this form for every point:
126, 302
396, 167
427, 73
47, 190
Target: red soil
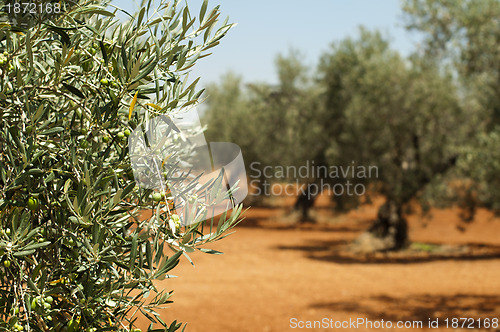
274, 270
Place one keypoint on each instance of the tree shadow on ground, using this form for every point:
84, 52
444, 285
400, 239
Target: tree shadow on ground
303, 227
339, 251
421, 308
286, 219
315, 246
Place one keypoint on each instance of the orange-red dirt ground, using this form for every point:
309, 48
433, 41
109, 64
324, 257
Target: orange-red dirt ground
276, 273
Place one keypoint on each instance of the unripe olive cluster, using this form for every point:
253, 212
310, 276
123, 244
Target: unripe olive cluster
174, 222
3, 58
106, 82
40, 304
18, 327
121, 136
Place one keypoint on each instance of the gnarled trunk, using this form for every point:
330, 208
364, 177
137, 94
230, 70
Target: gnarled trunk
388, 232
390, 229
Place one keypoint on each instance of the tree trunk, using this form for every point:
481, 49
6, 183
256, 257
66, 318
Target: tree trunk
345, 203
305, 201
388, 232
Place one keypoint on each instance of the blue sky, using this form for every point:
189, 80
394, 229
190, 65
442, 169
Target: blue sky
268, 27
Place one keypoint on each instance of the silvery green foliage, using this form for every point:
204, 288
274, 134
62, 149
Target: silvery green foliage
465, 34
80, 241
170, 155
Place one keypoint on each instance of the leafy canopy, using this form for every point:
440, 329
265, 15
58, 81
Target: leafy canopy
80, 242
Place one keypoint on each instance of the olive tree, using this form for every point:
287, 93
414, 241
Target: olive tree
465, 34
400, 115
81, 242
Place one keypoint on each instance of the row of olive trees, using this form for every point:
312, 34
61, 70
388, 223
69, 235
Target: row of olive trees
421, 120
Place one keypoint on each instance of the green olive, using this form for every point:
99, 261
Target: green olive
104, 81
127, 132
49, 299
84, 144
6, 263
156, 197
105, 139
175, 218
33, 304
120, 135
32, 203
